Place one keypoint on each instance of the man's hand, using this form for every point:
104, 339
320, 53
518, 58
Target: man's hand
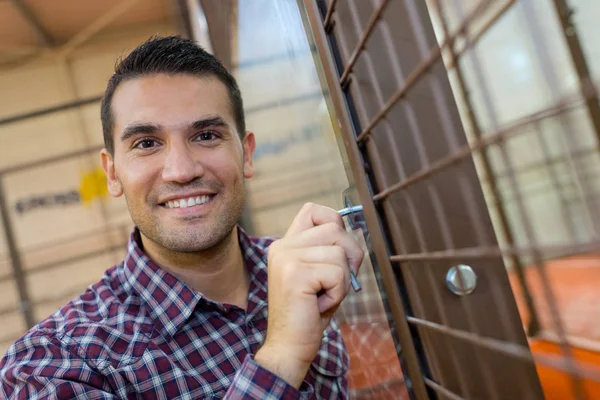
308, 279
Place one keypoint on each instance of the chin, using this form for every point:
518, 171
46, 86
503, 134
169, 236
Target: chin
196, 235
193, 242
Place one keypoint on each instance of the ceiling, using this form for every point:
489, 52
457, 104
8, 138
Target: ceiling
32, 27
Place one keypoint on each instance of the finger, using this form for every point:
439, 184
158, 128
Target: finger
330, 234
330, 255
304, 274
311, 215
330, 282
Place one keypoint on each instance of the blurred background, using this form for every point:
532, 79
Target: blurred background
61, 230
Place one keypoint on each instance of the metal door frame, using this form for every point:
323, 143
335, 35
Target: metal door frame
413, 357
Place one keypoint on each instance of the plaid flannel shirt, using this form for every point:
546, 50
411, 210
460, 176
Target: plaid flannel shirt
142, 333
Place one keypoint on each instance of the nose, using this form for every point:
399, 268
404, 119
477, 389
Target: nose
180, 165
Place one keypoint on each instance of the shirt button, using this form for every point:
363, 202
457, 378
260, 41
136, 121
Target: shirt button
250, 325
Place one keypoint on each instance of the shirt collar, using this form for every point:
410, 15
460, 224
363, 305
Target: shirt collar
169, 300
254, 250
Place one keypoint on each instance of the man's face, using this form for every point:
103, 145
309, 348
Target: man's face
178, 160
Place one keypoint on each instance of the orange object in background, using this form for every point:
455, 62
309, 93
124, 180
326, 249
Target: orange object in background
374, 368
557, 384
574, 283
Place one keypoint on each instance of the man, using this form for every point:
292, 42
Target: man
185, 314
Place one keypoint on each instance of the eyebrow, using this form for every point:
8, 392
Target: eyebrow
214, 122
145, 128
138, 129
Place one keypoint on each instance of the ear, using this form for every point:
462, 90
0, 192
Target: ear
108, 165
249, 144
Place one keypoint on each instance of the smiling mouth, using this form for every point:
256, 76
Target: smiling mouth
188, 201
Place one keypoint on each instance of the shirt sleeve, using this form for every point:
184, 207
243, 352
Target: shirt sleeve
255, 382
39, 367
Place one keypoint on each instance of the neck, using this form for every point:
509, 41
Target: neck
219, 273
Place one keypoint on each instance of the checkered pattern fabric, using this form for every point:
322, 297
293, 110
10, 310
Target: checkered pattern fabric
142, 333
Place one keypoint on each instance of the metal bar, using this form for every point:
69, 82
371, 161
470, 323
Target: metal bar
483, 30
25, 304
498, 294
409, 353
397, 159
371, 390
363, 41
434, 55
488, 174
327, 24
445, 317
442, 390
551, 76
50, 110
554, 173
538, 165
564, 13
451, 136
357, 113
476, 145
585, 370
546, 64
32, 19
566, 187
485, 252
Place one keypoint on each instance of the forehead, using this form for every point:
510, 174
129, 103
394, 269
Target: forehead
170, 99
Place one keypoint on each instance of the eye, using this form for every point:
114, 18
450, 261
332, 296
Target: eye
206, 136
145, 144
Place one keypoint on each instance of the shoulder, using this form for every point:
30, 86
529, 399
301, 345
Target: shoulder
106, 302
40, 365
101, 326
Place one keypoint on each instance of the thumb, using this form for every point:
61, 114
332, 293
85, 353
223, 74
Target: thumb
311, 215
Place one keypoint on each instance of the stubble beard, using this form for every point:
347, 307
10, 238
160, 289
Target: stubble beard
216, 228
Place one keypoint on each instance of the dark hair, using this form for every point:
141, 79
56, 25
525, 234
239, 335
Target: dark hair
168, 55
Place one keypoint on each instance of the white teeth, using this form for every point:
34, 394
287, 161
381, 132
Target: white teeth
202, 199
183, 203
